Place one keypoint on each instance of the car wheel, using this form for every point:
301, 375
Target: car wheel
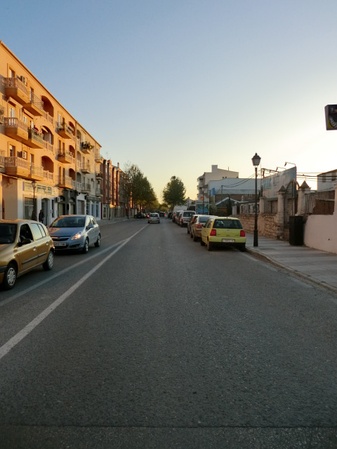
202, 243
10, 276
242, 247
195, 238
86, 246
49, 263
98, 241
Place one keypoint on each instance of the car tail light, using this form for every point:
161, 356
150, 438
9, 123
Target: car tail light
199, 225
242, 233
213, 233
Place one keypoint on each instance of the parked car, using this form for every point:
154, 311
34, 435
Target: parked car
223, 231
140, 215
75, 232
185, 217
24, 245
176, 216
196, 224
153, 218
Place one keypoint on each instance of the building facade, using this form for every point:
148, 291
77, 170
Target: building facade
48, 161
214, 175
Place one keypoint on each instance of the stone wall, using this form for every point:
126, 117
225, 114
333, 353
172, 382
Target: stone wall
267, 225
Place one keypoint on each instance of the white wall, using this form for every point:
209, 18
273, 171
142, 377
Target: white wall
320, 232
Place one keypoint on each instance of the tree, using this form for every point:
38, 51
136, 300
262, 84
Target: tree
138, 188
174, 192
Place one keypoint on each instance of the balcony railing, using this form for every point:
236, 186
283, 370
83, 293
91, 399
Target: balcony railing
66, 182
98, 157
48, 146
16, 88
65, 131
35, 105
86, 187
36, 140
85, 168
17, 166
48, 117
16, 129
66, 157
36, 173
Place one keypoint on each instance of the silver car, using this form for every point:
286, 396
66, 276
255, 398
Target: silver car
75, 233
154, 218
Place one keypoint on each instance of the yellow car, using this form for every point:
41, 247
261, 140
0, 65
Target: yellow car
223, 231
24, 245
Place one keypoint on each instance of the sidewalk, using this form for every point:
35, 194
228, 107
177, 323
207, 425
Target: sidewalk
316, 266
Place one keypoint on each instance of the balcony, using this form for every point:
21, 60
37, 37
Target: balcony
86, 187
65, 131
99, 176
35, 139
98, 157
34, 106
16, 129
49, 147
85, 168
48, 177
48, 117
16, 166
2, 164
86, 147
66, 157
36, 173
66, 182
17, 89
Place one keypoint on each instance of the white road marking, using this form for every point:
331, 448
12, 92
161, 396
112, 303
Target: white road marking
6, 348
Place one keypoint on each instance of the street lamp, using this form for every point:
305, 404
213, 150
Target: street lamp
34, 213
256, 162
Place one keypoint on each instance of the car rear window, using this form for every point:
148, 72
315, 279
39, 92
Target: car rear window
188, 214
203, 219
227, 224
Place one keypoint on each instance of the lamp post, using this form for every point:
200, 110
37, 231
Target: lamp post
256, 162
34, 213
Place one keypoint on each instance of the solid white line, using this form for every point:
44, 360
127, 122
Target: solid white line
5, 349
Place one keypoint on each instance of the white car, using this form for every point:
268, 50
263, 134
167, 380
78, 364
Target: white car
153, 218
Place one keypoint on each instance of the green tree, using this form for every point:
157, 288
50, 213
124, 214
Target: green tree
174, 192
138, 188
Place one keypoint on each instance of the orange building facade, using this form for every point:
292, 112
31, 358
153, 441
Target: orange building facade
48, 160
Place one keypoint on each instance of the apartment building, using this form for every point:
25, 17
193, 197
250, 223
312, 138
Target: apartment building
115, 203
214, 175
48, 160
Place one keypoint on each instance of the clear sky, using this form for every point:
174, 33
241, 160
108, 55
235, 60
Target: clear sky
176, 86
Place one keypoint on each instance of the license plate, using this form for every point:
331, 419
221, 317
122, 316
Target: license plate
60, 244
228, 240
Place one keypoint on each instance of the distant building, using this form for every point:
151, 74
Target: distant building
327, 181
215, 175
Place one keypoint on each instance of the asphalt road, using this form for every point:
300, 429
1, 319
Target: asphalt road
150, 341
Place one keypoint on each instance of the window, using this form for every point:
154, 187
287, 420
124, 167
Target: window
36, 230
25, 232
11, 150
